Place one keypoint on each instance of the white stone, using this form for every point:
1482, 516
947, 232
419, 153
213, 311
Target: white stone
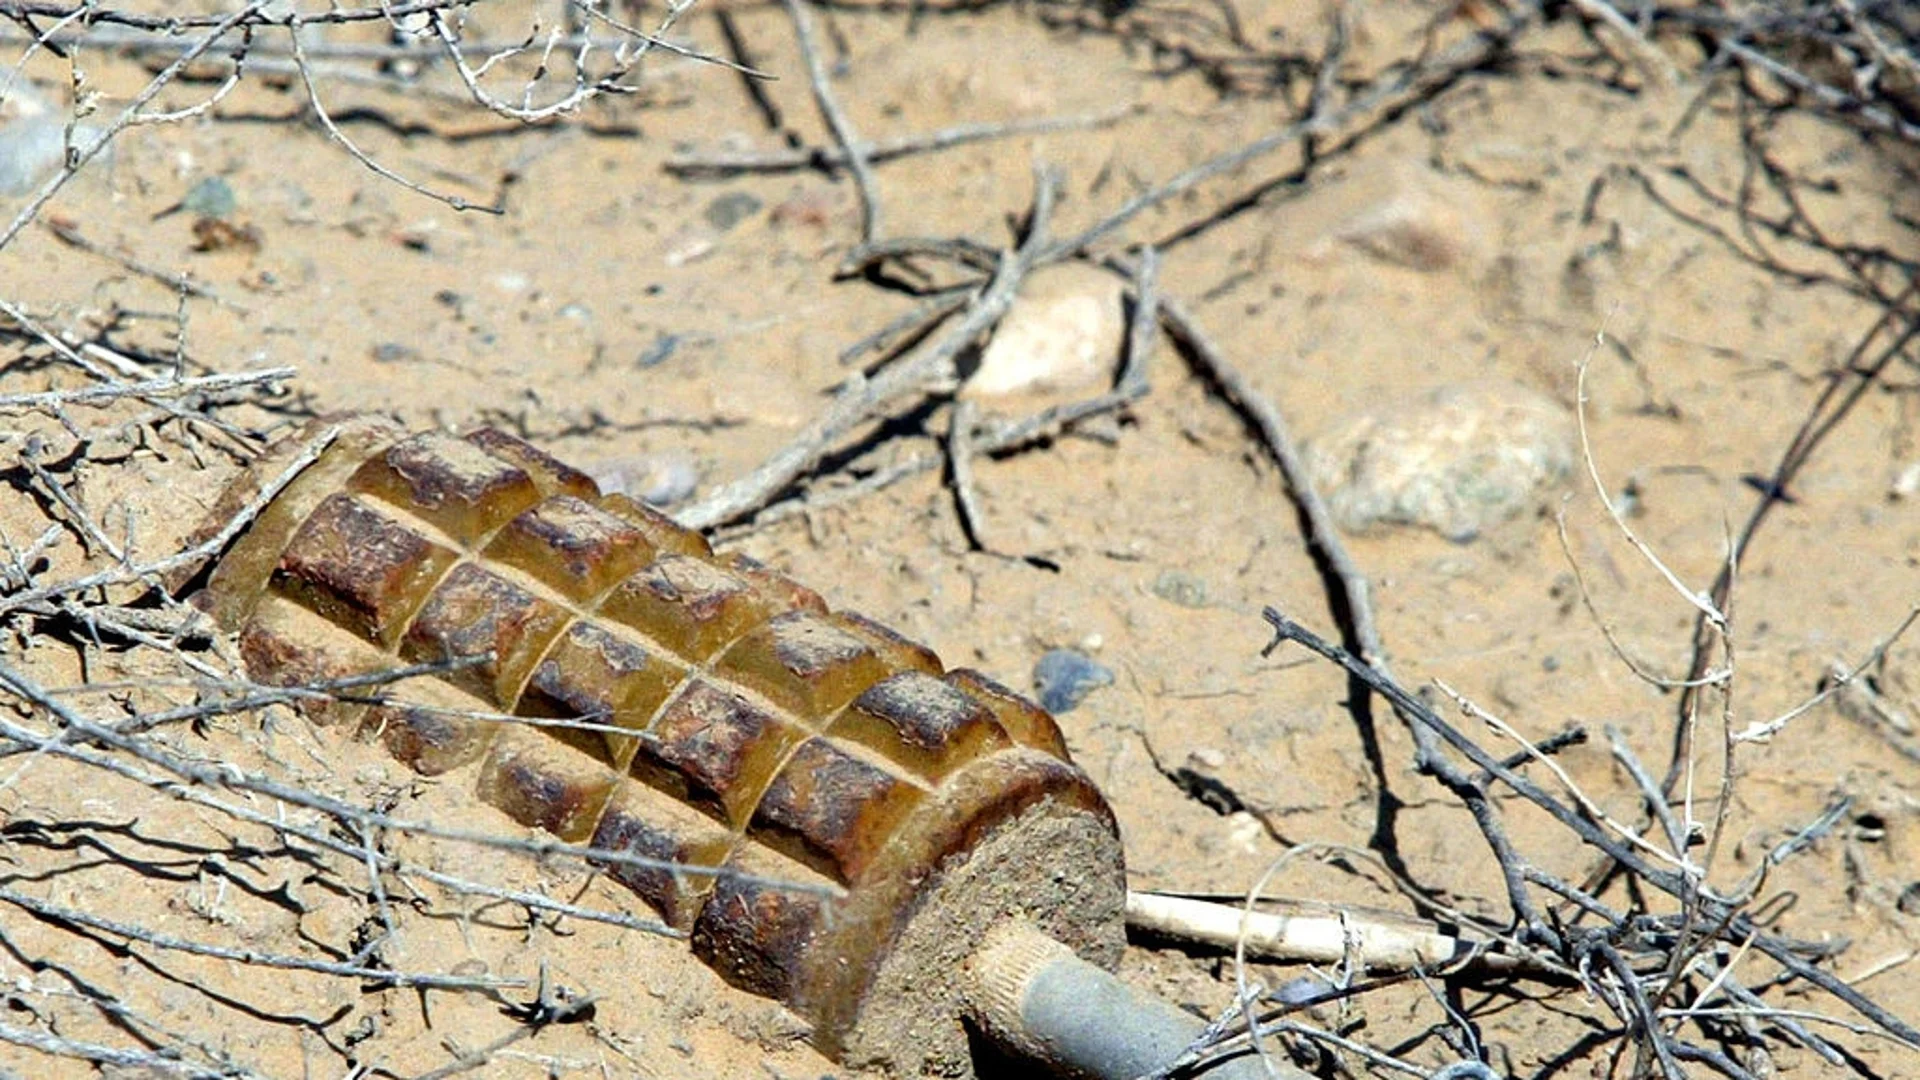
1458, 459
1906, 484
1064, 333
661, 479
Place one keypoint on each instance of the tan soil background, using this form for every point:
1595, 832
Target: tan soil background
616, 316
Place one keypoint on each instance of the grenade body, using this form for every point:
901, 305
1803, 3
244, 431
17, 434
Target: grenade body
701, 711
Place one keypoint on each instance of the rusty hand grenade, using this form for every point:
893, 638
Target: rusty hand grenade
715, 719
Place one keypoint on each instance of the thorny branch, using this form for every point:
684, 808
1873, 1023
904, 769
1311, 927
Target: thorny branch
1731, 924
1874, 44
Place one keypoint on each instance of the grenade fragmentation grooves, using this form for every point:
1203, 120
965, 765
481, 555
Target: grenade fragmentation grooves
703, 711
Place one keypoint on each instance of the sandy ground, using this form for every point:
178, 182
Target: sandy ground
627, 319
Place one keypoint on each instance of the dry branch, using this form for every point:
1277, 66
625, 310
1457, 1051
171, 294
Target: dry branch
721, 164
862, 400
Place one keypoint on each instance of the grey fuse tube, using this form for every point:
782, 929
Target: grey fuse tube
1034, 997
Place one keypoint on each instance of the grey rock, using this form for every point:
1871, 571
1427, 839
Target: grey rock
731, 209
1180, 587
1064, 677
394, 352
1302, 990
1458, 460
662, 349
212, 197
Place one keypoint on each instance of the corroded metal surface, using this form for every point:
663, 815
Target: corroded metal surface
732, 722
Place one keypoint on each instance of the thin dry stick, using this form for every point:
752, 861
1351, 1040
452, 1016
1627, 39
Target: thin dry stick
1837, 102
53, 341
174, 23
1845, 387
633, 46
1411, 81
722, 164
221, 389
78, 157
911, 326
843, 133
1838, 679
150, 390
1655, 67
1676, 858
76, 728
1143, 330
132, 932
158, 569
1724, 919
352, 148
165, 1062
97, 34
960, 465
1716, 619
1640, 671
1010, 436
1339, 1042
1705, 603
70, 234
861, 399
1649, 791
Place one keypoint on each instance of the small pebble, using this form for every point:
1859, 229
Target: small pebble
1064, 677
658, 479
660, 351
1303, 990
687, 246
212, 197
1180, 587
393, 352
731, 209
1906, 484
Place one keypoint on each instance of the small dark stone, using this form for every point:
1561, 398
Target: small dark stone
1909, 902
660, 351
1064, 677
731, 209
1303, 990
393, 352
